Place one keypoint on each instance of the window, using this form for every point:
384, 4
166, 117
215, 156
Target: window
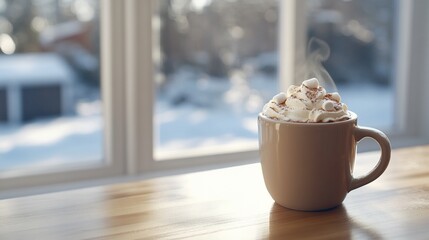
57, 121
367, 62
51, 86
154, 85
210, 85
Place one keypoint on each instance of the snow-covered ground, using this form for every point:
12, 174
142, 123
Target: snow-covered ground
232, 122
53, 142
188, 115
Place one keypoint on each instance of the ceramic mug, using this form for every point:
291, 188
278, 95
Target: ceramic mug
309, 166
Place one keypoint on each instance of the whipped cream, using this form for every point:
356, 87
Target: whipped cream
306, 103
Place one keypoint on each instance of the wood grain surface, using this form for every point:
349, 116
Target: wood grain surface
229, 203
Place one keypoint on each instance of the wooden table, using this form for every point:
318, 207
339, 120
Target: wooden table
229, 203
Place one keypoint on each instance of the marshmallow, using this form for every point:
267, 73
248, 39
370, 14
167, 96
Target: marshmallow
328, 106
280, 98
335, 96
311, 83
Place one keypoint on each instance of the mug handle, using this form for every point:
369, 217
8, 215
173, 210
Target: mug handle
383, 141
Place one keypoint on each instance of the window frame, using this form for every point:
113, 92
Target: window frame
128, 93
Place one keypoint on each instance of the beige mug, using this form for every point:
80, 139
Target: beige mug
309, 166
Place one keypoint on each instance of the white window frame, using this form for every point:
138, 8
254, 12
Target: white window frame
128, 92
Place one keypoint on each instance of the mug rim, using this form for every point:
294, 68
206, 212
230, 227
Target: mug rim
353, 118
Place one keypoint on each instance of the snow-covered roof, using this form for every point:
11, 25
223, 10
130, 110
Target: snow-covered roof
34, 69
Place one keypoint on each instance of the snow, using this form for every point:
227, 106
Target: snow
34, 68
206, 114
51, 142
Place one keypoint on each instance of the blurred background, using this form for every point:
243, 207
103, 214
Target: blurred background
216, 64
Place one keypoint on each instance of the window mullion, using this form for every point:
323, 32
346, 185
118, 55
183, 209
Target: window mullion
113, 89
292, 41
401, 69
140, 85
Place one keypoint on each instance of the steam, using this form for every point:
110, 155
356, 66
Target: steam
317, 52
